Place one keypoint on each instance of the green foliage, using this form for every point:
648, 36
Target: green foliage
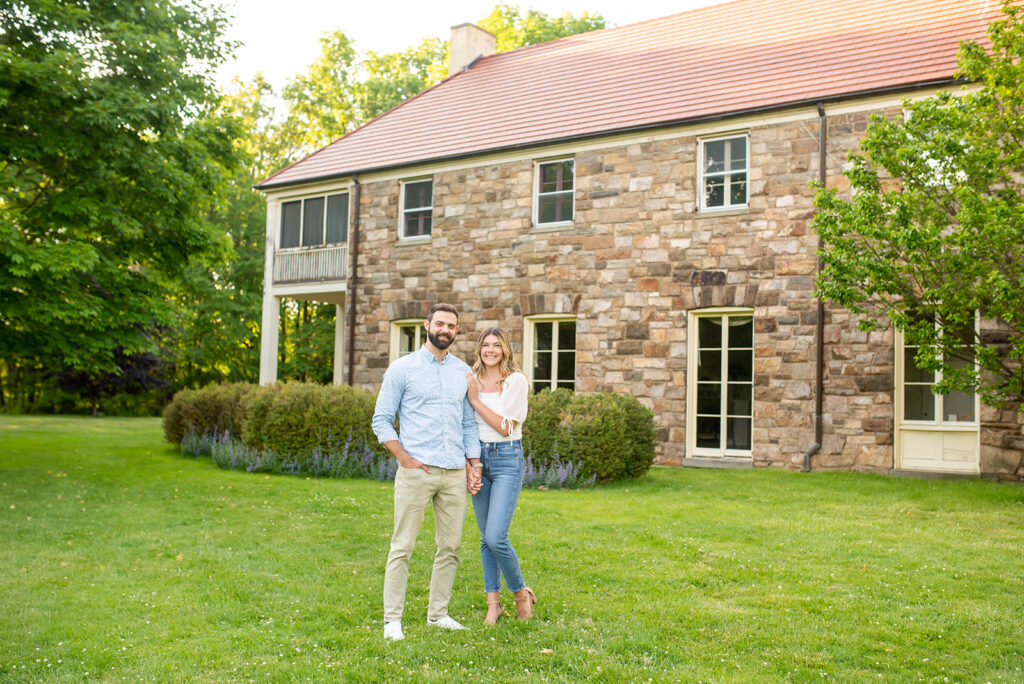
210, 410
293, 418
513, 29
934, 229
611, 436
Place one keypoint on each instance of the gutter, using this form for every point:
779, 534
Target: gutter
350, 295
819, 328
269, 184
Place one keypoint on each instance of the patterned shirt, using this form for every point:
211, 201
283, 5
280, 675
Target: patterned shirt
437, 421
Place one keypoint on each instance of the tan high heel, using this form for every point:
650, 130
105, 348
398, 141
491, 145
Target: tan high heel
525, 599
493, 607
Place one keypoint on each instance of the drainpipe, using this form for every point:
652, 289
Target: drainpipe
350, 296
819, 329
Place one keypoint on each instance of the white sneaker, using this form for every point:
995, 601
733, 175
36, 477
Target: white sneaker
445, 623
393, 631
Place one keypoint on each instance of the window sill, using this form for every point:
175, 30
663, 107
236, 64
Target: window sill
724, 211
418, 240
553, 227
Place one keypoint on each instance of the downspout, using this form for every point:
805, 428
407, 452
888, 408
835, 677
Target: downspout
819, 329
350, 296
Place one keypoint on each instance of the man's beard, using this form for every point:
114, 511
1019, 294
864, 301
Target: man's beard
440, 343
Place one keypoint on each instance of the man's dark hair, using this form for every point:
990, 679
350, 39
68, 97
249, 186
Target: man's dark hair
441, 306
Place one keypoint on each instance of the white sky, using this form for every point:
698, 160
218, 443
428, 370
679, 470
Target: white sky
281, 37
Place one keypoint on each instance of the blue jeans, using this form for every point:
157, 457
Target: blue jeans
494, 505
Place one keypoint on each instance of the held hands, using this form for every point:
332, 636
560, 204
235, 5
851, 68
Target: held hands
474, 478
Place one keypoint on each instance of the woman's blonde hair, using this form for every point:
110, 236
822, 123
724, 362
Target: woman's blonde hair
507, 365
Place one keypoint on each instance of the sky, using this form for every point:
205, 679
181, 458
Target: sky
280, 38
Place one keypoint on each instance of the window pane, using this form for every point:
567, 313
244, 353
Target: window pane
567, 384
567, 335
313, 222
709, 365
542, 366
737, 154
958, 407
556, 177
709, 398
737, 433
709, 332
919, 402
539, 385
738, 400
291, 230
418, 194
543, 335
567, 365
709, 432
555, 208
714, 156
738, 188
714, 192
741, 365
911, 372
337, 218
741, 332
417, 223
406, 339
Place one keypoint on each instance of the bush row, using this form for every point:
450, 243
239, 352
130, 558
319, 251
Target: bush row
569, 439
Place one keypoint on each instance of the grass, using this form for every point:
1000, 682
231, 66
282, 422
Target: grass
123, 560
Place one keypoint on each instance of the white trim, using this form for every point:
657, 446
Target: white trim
529, 340
692, 450
553, 225
701, 142
402, 237
396, 337
566, 149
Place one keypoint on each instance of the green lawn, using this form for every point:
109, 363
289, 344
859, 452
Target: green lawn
123, 560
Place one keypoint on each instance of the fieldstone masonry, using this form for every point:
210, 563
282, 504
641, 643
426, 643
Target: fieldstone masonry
638, 258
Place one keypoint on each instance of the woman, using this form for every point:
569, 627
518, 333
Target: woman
499, 394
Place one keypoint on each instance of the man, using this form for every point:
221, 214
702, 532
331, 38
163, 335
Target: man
438, 454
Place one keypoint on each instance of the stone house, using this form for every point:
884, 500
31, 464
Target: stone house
633, 206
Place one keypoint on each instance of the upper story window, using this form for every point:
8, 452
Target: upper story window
723, 166
407, 336
417, 208
314, 221
556, 182
551, 351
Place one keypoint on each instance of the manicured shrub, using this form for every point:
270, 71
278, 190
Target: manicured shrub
609, 436
292, 419
208, 410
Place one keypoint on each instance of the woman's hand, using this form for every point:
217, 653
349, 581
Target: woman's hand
474, 479
472, 387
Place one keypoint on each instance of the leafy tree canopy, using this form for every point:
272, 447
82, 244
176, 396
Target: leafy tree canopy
513, 29
934, 229
107, 157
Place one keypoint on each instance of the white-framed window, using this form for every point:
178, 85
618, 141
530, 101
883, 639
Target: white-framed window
314, 221
550, 351
720, 382
918, 404
723, 164
417, 208
407, 335
554, 193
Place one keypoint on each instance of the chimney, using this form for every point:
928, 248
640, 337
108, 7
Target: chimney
468, 42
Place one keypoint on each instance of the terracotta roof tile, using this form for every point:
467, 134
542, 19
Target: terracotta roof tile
739, 56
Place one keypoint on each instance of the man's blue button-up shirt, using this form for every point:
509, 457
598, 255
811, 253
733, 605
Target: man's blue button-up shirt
437, 421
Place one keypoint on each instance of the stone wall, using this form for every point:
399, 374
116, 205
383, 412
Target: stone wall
638, 258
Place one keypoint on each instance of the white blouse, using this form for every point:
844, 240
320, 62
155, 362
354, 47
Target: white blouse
511, 404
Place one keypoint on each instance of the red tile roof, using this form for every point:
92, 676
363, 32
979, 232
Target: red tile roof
736, 57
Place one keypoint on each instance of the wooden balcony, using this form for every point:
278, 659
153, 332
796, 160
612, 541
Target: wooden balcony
311, 264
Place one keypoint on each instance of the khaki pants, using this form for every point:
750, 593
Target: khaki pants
414, 490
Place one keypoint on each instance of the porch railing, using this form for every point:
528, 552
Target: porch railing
311, 265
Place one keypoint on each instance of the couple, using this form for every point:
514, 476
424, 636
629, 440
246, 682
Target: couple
461, 431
